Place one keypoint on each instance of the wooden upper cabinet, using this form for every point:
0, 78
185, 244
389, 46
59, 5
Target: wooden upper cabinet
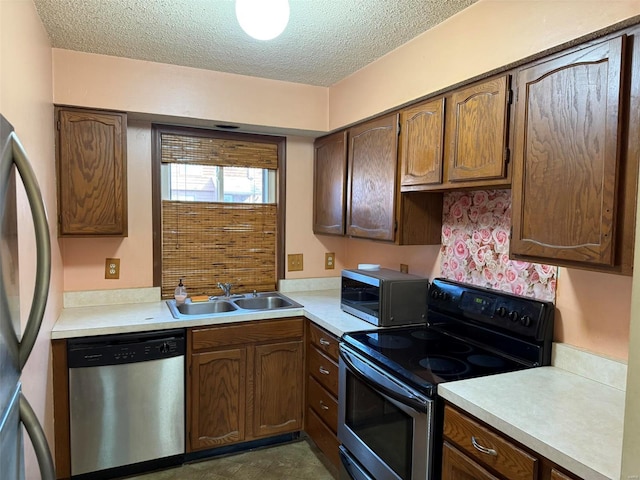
92, 172
421, 143
329, 184
372, 190
567, 156
477, 133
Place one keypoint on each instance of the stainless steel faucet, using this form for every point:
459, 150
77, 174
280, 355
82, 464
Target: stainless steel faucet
226, 288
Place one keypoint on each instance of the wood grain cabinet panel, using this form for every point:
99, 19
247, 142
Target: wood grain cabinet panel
218, 397
92, 172
373, 156
244, 382
477, 133
472, 450
421, 143
278, 373
321, 419
330, 184
567, 156
557, 475
489, 448
457, 466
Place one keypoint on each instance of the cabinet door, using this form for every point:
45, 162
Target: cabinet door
567, 156
92, 185
421, 144
278, 390
557, 475
457, 466
330, 183
217, 382
477, 131
372, 179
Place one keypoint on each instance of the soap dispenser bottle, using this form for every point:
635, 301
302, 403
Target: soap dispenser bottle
180, 294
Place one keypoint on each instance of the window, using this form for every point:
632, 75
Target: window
217, 201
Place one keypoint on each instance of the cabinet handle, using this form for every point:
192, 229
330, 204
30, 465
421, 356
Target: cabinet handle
324, 371
324, 342
323, 406
480, 448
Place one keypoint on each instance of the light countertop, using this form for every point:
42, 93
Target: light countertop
321, 307
569, 419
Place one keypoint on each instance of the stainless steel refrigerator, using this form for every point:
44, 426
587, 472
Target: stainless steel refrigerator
15, 345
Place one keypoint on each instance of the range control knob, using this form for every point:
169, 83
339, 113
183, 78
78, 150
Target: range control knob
164, 348
501, 311
525, 320
513, 316
435, 294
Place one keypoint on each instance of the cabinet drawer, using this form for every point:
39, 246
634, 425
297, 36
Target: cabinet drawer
246, 332
324, 341
456, 465
323, 403
324, 438
499, 454
324, 370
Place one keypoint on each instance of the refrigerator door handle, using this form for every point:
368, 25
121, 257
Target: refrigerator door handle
43, 247
38, 439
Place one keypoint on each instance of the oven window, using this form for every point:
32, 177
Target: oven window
383, 427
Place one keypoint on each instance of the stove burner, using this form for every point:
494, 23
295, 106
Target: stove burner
444, 365
425, 335
388, 341
487, 361
458, 348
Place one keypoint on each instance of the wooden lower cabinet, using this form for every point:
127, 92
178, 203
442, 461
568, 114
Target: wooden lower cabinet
321, 413
457, 466
244, 382
474, 451
218, 398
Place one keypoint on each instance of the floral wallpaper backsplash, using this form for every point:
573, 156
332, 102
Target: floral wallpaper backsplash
475, 246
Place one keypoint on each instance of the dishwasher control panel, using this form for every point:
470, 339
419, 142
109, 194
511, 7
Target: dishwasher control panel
125, 348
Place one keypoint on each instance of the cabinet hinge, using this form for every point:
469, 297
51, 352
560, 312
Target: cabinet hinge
507, 155
58, 124
395, 226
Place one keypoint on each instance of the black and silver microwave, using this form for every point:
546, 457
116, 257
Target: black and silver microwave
384, 297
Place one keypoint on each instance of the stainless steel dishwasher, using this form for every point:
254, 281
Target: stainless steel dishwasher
126, 396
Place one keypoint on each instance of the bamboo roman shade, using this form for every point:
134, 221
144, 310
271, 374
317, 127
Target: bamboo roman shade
209, 242
218, 151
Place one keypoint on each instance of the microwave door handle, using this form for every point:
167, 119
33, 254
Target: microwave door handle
43, 247
38, 439
383, 383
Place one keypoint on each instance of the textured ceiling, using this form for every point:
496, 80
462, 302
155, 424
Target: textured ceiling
325, 41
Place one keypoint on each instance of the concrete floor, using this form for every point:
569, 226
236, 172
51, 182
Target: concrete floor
300, 460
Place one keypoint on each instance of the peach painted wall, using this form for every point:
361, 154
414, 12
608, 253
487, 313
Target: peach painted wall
484, 36
26, 101
191, 94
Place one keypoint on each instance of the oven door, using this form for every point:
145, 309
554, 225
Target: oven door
386, 426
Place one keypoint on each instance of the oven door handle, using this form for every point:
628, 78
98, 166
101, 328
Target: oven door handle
381, 381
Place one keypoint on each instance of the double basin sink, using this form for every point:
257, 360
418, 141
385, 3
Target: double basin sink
234, 303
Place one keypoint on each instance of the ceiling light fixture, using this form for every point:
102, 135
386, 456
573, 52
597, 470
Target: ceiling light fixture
263, 19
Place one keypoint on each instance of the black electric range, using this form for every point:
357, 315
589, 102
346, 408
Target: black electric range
470, 332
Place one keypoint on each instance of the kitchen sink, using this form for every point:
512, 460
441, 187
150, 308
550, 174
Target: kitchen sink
233, 305
199, 308
263, 303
